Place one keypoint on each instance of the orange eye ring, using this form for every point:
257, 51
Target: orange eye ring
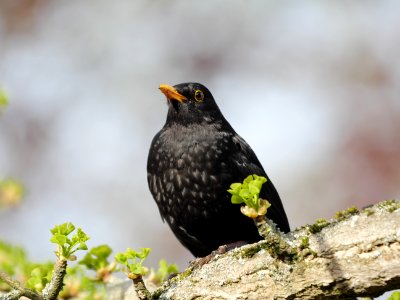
198, 95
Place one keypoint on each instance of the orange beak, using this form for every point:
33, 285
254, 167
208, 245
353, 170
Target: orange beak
171, 93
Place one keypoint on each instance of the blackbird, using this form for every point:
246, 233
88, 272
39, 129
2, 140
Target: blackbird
192, 161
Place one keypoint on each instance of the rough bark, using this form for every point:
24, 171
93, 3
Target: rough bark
358, 255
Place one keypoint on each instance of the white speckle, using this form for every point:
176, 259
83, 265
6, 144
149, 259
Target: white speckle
179, 180
187, 181
204, 177
169, 187
196, 174
184, 192
187, 234
153, 184
158, 197
180, 163
213, 178
171, 174
171, 220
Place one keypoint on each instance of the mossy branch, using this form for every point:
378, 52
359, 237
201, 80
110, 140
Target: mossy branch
50, 292
67, 245
355, 255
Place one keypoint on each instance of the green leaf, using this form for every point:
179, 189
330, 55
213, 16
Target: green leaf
130, 253
121, 258
255, 186
79, 238
248, 193
89, 262
64, 229
130, 260
235, 199
248, 179
36, 272
82, 246
35, 283
244, 193
40, 276
136, 269
235, 188
68, 246
166, 269
58, 239
144, 253
102, 251
82, 237
97, 257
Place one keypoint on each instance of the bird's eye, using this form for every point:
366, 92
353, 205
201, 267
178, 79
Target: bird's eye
198, 96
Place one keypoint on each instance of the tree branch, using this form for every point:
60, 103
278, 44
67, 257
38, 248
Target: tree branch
354, 257
19, 291
53, 288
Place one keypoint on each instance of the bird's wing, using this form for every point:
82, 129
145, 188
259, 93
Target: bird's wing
247, 163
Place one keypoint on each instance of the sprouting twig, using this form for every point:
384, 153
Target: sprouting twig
140, 288
53, 288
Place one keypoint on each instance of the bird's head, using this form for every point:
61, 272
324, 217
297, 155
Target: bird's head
190, 103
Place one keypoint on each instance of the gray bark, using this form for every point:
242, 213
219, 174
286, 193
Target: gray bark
356, 256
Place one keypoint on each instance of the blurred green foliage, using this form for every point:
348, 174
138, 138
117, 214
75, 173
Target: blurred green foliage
11, 192
164, 271
3, 99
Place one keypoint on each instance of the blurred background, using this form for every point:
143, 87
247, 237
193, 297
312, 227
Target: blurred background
313, 88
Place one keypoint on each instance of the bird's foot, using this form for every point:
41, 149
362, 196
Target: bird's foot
197, 263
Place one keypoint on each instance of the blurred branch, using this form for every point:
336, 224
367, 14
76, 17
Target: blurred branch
19, 291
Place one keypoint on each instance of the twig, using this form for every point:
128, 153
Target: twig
141, 289
53, 288
278, 243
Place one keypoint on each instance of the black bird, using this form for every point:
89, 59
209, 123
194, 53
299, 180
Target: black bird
191, 164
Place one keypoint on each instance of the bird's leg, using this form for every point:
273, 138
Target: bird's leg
228, 247
220, 250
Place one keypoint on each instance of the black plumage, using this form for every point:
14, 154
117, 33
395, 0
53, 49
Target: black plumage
191, 164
